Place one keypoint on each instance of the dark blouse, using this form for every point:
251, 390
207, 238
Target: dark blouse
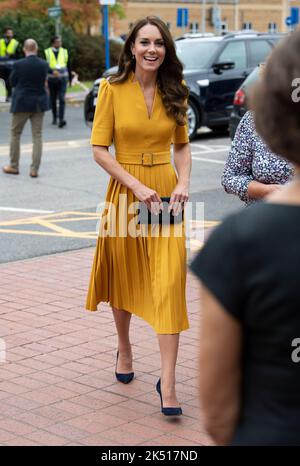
251, 265
250, 159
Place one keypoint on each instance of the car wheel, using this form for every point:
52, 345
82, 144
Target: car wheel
193, 120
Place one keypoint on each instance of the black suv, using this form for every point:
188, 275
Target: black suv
214, 68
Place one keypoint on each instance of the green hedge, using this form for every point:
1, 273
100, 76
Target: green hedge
89, 57
87, 53
42, 31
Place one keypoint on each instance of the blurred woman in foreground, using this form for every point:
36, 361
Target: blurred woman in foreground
250, 274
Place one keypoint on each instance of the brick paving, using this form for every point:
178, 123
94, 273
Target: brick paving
57, 382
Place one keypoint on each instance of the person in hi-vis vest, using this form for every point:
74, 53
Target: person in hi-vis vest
58, 77
9, 48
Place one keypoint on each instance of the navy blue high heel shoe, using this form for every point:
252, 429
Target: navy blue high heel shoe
124, 378
167, 411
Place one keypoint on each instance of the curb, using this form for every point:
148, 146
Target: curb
72, 100
76, 97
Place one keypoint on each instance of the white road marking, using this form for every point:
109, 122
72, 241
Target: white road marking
203, 159
14, 209
77, 143
211, 148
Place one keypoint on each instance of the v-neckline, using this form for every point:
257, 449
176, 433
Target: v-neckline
149, 116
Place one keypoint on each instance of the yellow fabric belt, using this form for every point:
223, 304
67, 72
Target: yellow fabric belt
144, 158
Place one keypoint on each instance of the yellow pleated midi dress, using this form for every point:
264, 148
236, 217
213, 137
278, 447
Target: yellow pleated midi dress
144, 275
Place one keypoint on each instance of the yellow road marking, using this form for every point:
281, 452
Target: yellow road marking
51, 223
36, 219
72, 234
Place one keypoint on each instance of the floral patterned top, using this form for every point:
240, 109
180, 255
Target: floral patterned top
250, 159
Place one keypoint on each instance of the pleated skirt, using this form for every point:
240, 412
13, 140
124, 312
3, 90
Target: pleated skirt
142, 273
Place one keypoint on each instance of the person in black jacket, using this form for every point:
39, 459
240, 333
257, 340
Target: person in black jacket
29, 102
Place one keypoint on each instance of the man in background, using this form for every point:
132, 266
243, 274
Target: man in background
29, 102
58, 77
8, 54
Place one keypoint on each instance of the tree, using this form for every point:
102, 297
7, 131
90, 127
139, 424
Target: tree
116, 12
6, 6
42, 31
80, 14
32, 8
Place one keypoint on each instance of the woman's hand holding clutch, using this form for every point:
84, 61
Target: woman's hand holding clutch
179, 198
149, 197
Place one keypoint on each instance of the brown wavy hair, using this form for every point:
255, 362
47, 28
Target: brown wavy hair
173, 91
276, 110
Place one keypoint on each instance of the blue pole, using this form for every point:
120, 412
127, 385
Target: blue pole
106, 36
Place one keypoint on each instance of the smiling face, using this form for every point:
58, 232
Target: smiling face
148, 48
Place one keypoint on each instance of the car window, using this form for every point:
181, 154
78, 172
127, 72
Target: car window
259, 49
252, 78
196, 54
236, 52
276, 40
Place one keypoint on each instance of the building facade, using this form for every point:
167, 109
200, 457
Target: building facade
209, 15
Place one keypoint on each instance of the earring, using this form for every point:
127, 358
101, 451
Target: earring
133, 57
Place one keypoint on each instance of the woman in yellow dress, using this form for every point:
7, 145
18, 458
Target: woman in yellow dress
142, 110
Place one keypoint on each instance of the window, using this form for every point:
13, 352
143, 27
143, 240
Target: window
194, 26
194, 54
259, 49
236, 52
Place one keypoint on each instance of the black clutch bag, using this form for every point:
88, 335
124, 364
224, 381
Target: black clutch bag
145, 217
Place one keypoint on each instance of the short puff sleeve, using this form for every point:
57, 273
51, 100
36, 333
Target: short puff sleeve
103, 126
181, 134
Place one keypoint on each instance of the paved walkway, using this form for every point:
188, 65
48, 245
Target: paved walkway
57, 384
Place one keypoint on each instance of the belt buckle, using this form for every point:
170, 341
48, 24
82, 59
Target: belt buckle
147, 159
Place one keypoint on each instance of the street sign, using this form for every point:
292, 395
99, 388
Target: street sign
107, 2
295, 15
54, 12
182, 17
294, 18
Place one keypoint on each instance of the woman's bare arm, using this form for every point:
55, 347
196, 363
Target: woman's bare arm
220, 371
258, 190
183, 165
